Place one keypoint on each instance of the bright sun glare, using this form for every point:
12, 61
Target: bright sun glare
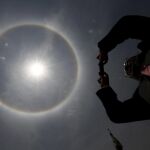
36, 70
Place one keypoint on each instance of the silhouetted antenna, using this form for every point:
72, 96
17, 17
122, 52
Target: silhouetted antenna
116, 142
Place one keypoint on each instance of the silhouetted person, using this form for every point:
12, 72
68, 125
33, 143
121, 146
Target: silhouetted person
138, 107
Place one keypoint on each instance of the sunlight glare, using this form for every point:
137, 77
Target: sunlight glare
36, 70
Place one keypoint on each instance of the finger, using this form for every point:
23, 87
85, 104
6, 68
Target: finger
104, 61
101, 75
99, 81
98, 56
105, 74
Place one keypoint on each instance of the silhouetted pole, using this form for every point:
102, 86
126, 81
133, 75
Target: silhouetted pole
116, 142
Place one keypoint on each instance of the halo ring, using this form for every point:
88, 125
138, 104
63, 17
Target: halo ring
65, 100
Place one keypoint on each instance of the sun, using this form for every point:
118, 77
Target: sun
36, 70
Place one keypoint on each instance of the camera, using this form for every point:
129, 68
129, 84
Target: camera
133, 66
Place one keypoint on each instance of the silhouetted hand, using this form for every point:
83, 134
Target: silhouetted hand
104, 80
103, 57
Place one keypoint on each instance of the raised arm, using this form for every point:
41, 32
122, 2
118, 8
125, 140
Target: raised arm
136, 27
133, 109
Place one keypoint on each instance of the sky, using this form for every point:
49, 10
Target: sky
61, 110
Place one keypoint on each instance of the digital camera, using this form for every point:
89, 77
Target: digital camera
133, 66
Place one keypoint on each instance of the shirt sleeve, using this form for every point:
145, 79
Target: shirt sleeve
136, 27
133, 109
